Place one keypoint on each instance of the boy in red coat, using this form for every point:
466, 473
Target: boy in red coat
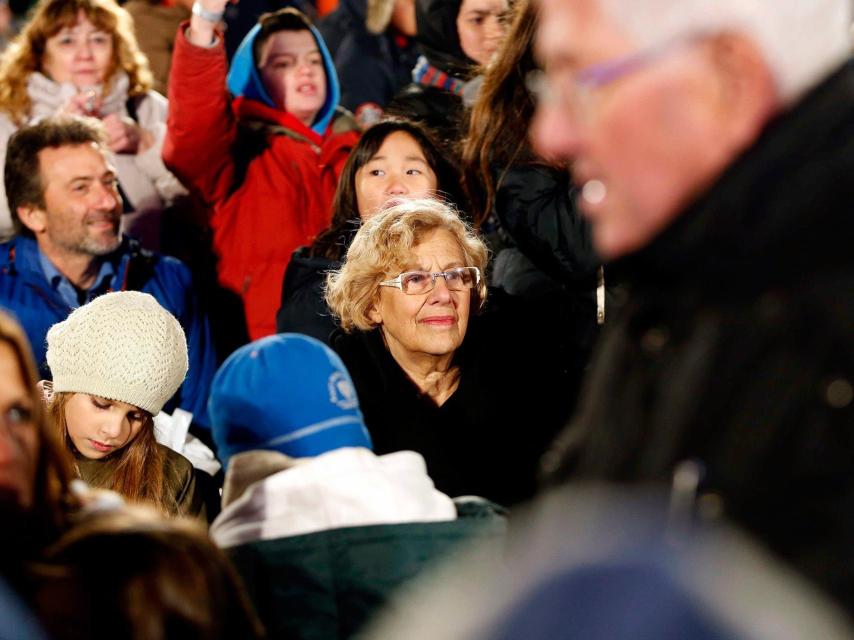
266, 162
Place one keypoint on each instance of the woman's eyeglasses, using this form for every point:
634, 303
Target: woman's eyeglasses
415, 282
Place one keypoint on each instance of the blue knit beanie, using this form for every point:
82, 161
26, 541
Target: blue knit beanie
287, 393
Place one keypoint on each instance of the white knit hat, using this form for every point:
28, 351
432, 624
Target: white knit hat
121, 346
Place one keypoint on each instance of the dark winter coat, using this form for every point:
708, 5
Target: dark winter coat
179, 479
736, 348
304, 309
537, 218
323, 542
517, 384
372, 68
328, 584
536, 207
26, 292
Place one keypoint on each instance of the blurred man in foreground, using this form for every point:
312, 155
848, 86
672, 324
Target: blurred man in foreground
715, 146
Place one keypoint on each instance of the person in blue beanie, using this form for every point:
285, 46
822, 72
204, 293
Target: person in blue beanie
306, 496
265, 162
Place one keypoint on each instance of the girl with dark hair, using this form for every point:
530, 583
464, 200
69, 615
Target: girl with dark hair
394, 159
115, 362
523, 203
457, 38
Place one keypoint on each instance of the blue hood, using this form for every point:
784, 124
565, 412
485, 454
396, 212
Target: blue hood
244, 80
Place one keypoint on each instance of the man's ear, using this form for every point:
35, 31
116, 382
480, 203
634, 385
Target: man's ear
747, 85
33, 218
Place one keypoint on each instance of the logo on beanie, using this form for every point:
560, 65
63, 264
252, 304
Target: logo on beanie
341, 391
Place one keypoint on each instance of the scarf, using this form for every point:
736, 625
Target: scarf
426, 74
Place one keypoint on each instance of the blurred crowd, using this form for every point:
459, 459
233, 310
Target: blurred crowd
426, 319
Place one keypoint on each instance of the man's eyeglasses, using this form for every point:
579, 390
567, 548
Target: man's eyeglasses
415, 282
573, 90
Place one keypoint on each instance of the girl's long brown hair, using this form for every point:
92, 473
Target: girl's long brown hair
24, 54
498, 126
53, 504
139, 472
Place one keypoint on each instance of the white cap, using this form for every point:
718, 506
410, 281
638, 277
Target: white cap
121, 346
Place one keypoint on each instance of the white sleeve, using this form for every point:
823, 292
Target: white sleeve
151, 116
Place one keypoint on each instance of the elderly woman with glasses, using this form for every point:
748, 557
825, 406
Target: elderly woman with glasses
478, 389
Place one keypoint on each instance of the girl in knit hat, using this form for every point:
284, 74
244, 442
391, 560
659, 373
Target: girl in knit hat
115, 362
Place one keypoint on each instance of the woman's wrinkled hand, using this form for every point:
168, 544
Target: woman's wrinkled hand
123, 134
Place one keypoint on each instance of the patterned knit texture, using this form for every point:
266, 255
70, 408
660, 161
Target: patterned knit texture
121, 346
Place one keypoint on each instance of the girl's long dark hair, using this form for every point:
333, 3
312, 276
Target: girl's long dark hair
498, 126
332, 243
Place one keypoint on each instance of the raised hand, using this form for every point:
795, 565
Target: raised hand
207, 14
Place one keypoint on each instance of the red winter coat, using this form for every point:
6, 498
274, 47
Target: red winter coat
265, 208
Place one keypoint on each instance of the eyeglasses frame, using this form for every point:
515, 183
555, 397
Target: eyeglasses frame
600, 74
398, 281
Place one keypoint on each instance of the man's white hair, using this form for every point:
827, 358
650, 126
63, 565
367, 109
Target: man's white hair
801, 40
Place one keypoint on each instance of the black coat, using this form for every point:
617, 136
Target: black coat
736, 348
516, 387
536, 207
304, 309
537, 218
371, 67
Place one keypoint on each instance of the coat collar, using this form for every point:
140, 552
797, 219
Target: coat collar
247, 109
249, 467
48, 97
24, 258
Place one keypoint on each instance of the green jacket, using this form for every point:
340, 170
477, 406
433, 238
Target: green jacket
179, 479
328, 584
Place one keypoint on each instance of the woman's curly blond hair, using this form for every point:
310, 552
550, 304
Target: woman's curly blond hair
383, 247
24, 54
